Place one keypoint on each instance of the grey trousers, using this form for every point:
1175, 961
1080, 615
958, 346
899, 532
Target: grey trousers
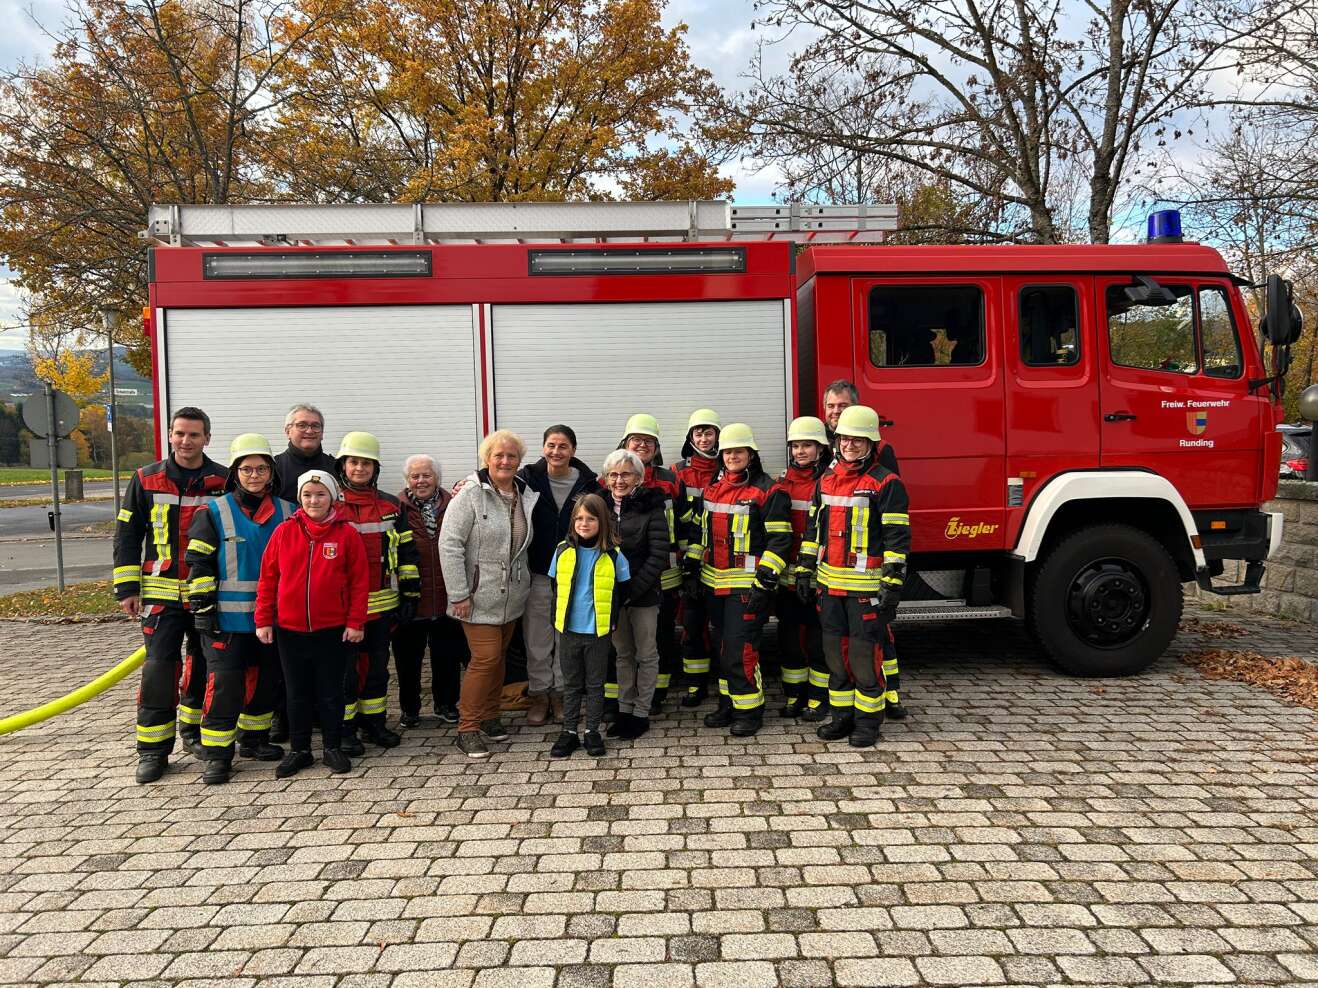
543, 672
585, 661
638, 659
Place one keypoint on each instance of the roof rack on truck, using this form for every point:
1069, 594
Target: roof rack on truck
356, 224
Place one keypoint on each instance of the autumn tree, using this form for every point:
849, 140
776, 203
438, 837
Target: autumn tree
489, 100
1008, 99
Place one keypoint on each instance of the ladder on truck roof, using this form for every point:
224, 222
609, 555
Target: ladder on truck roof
356, 224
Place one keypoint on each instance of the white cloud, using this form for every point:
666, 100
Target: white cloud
10, 313
23, 38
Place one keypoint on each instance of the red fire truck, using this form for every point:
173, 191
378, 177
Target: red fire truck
1082, 429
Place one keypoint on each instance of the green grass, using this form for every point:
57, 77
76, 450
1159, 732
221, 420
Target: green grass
29, 475
78, 600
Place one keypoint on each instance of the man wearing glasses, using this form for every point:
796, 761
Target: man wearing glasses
304, 426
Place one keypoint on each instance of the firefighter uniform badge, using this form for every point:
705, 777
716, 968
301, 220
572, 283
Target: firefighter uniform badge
1196, 422
330, 549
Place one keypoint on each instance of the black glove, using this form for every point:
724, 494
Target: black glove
758, 603
805, 586
886, 607
203, 616
406, 609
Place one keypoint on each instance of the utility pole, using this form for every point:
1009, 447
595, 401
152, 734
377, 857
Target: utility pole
109, 317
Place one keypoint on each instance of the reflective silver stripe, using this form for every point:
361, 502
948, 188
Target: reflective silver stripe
844, 502
800, 505
225, 507
694, 491
239, 586
160, 497
236, 606
729, 509
373, 527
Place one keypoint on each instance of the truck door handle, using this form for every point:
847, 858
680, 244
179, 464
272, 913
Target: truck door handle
1118, 417
885, 423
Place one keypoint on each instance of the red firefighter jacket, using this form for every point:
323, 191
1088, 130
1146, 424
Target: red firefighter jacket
391, 553
158, 508
860, 533
742, 533
798, 483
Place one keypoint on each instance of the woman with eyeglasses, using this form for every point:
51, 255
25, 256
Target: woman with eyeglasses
643, 529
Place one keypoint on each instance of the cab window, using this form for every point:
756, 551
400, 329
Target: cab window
1049, 321
1154, 337
926, 326
1221, 348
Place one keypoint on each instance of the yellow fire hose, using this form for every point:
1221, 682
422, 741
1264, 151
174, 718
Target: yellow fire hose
81, 695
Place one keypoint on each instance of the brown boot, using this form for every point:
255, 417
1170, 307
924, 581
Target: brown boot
537, 714
556, 704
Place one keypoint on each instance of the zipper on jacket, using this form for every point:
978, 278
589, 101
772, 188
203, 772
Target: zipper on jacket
311, 558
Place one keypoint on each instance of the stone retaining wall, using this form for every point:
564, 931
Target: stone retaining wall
1290, 586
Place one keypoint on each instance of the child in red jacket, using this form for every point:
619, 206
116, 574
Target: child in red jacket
311, 598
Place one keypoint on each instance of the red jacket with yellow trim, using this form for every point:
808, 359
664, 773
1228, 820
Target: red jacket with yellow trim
157, 509
799, 484
860, 533
742, 534
390, 551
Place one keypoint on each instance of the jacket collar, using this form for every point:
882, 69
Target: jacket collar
175, 472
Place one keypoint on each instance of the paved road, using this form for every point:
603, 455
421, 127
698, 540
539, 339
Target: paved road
34, 521
27, 547
1021, 828
92, 488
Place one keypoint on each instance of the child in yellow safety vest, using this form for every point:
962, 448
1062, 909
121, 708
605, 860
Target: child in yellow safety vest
587, 573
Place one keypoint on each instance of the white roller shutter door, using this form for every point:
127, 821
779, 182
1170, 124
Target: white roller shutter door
405, 373
591, 365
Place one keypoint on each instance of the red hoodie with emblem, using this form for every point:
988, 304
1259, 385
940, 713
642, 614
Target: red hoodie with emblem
314, 575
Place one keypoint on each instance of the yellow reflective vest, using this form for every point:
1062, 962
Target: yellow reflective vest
604, 579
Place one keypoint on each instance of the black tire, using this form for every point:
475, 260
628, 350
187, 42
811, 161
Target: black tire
1106, 601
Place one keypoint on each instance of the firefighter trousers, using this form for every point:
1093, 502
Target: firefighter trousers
737, 634
697, 644
801, 646
240, 692
366, 679
854, 640
670, 648
173, 682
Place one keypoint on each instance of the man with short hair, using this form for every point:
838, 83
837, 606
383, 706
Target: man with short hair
304, 425
839, 395
150, 582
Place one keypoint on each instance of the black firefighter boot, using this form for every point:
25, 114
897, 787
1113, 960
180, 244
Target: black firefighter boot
350, 744
695, 692
865, 733
151, 766
722, 717
747, 723
216, 771
375, 731
838, 728
256, 746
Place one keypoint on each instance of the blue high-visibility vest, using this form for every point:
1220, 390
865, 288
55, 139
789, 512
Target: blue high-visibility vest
242, 544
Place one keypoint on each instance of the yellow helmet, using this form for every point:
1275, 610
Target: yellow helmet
859, 420
249, 444
807, 429
703, 416
737, 435
359, 444
642, 424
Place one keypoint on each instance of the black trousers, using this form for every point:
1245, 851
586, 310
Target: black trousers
737, 634
173, 683
366, 680
698, 646
666, 638
855, 637
313, 664
801, 646
584, 661
448, 655
240, 690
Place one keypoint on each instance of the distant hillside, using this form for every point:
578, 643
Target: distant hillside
17, 380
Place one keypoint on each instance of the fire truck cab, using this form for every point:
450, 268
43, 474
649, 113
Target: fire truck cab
1082, 429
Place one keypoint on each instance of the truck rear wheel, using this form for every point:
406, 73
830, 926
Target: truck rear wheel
1106, 601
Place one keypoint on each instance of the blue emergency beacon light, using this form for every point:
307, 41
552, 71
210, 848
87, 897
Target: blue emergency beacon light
1165, 227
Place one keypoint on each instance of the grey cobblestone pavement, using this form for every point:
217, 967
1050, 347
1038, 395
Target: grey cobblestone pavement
1021, 828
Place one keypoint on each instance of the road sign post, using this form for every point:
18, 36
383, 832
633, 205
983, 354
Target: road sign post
109, 317
52, 444
53, 419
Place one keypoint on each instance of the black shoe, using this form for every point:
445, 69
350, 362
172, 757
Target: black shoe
895, 711
409, 720
721, 717
494, 730
350, 744
151, 766
610, 710
619, 726
693, 698
567, 743
293, 763
278, 729
815, 715
746, 727
263, 751
794, 708
656, 706
864, 737
836, 729
447, 712
594, 744
216, 771
381, 736
336, 761
191, 743
636, 727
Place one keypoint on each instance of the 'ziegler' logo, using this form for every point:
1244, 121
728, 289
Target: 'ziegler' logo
1196, 422
956, 529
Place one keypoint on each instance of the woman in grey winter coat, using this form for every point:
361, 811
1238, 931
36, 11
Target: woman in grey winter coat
482, 553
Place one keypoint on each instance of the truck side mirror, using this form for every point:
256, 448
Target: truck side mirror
1282, 322
1145, 291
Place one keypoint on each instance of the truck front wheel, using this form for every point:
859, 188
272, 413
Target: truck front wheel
1106, 601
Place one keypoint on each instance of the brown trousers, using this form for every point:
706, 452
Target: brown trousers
482, 685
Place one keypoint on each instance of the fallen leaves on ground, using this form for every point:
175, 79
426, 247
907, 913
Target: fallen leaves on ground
78, 600
1290, 678
1213, 629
